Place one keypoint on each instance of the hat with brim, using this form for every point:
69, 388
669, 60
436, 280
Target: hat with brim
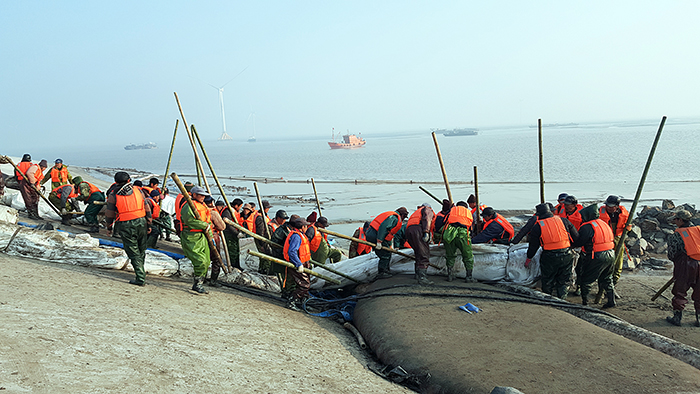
199, 190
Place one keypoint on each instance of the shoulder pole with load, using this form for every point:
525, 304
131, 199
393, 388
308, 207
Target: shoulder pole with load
8, 160
210, 240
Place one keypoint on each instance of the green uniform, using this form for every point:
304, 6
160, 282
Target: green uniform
373, 235
457, 238
57, 184
324, 252
133, 235
195, 244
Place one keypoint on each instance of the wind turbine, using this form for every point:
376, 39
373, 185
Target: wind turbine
251, 116
224, 134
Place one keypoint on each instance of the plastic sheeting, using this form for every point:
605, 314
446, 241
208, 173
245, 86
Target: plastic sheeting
45, 210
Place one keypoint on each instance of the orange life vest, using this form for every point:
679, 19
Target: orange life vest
558, 209
204, 215
481, 209
554, 235
363, 248
315, 242
155, 208
304, 252
250, 222
23, 167
507, 227
603, 238
462, 215
274, 225
377, 222
59, 175
415, 217
574, 218
621, 221
130, 207
180, 202
691, 240
59, 191
93, 188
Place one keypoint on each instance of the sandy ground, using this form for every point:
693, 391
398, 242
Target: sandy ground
75, 329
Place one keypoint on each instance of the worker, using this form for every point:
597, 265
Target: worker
167, 210
456, 237
318, 243
58, 174
218, 226
152, 185
399, 241
596, 261
2, 184
559, 209
616, 216
525, 230
29, 177
570, 211
126, 207
684, 251
418, 237
89, 194
63, 198
471, 201
296, 251
180, 202
231, 233
261, 228
381, 232
153, 201
280, 218
438, 225
358, 248
555, 234
193, 239
496, 229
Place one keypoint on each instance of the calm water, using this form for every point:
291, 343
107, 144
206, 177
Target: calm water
590, 161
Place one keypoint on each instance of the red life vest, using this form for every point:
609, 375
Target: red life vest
59, 191
462, 215
558, 209
415, 217
574, 218
554, 235
23, 167
621, 221
481, 209
130, 207
603, 238
691, 240
507, 227
155, 208
304, 253
363, 248
377, 222
204, 215
315, 241
59, 175
180, 202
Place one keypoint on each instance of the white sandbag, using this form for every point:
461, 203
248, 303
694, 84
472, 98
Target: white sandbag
515, 270
45, 210
7, 198
156, 264
8, 214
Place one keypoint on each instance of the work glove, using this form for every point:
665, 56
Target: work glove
426, 237
63, 211
300, 269
379, 246
527, 263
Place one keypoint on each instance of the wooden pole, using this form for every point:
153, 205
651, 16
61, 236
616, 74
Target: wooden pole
318, 203
290, 265
539, 140
197, 163
430, 194
7, 158
196, 135
262, 210
476, 196
210, 240
170, 157
442, 168
666, 286
339, 235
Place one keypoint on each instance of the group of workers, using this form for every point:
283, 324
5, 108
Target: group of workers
559, 230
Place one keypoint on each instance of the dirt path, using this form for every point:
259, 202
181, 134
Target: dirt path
79, 330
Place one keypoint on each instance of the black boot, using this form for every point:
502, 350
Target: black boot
137, 283
423, 277
292, 304
697, 319
384, 274
611, 300
450, 274
584, 299
198, 286
469, 278
676, 319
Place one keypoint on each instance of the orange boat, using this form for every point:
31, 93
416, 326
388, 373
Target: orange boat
350, 141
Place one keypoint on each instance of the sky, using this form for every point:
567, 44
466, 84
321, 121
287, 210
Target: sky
105, 72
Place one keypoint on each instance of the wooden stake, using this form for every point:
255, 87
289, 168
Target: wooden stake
442, 168
197, 163
318, 203
290, 265
170, 157
476, 196
430, 194
262, 210
539, 139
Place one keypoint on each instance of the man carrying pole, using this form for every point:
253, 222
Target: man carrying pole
296, 251
381, 232
231, 233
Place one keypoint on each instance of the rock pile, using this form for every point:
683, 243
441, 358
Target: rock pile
649, 235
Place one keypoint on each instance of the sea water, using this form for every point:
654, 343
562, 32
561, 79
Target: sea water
590, 161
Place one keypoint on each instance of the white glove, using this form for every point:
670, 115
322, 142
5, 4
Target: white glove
379, 246
300, 269
63, 211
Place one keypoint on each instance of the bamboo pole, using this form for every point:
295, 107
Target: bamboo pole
318, 203
210, 240
392, 250
442, 167
476, 196
290, 265
7, 158
430, 194
262, 210
213, 174
539, 139
170, 157
197, 163
275, 244
666, 286
196, 135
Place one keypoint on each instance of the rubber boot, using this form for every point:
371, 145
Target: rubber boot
584, 299
423, 277
470, 278
94, 229
137, 283
676, 319
450, 274
198, 286
697, 319
384, 274
611, 300
291, 304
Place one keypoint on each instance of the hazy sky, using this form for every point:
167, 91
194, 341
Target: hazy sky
106, 71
